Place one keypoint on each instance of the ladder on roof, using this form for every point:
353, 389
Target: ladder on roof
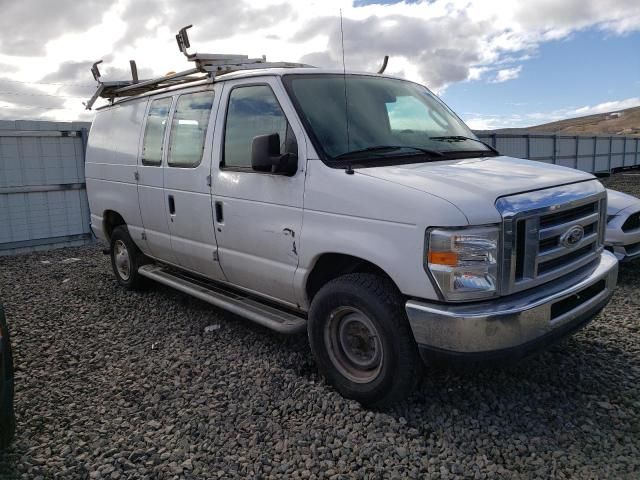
207, 67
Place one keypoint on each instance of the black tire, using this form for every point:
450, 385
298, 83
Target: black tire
120, 239
393, 365
7, 414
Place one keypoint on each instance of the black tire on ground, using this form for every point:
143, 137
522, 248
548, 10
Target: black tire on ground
7, 415
126, 258
361, 339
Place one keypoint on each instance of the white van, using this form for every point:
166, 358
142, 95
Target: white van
354, 206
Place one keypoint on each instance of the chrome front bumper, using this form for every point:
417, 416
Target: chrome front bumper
520, 321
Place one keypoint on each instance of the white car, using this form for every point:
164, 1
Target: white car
381, 226
623, 225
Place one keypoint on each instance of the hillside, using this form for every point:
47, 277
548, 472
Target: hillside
622, 122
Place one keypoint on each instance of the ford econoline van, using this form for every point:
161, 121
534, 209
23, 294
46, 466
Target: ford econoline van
356, 207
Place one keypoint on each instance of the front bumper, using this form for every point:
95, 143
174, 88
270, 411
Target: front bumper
514, 326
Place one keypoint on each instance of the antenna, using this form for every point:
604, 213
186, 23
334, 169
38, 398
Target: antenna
346, 98
384, 65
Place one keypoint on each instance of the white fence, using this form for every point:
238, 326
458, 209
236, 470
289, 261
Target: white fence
593, 154
43, 202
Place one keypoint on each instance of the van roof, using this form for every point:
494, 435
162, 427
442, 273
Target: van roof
245, 74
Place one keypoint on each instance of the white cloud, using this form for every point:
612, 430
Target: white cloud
507, 74
436, 42
605, 107
477, 123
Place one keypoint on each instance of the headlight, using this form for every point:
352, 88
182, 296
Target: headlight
464, 262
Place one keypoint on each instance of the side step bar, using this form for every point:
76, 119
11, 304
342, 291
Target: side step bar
258, 312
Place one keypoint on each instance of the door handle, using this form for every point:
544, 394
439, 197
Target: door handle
172, 205
219, 213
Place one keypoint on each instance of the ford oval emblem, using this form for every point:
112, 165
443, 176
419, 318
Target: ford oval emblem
572, 237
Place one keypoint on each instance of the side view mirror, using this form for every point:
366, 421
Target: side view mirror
266, 157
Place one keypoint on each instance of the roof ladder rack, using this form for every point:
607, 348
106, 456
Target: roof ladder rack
207, 67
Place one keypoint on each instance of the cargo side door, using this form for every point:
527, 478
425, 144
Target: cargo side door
151, 198
187, 184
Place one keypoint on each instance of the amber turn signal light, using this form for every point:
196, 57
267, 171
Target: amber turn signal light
443, 258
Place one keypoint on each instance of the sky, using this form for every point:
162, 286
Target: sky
496, 63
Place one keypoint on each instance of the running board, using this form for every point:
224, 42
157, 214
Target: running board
266, 315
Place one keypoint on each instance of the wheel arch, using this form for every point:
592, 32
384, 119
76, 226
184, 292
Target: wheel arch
110, 220
331, 265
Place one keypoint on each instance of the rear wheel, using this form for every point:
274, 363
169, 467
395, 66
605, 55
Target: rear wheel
126, 258
7, 415
362, 341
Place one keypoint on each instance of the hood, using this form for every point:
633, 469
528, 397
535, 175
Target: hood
617, 201
474, 185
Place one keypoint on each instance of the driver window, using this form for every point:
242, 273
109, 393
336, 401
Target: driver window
253, 110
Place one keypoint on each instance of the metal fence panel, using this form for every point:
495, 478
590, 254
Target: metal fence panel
542, 148
589, 153
586, 146
514, 147
43, 200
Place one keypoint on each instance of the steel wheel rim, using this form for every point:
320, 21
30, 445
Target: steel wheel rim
353, 344
122, 260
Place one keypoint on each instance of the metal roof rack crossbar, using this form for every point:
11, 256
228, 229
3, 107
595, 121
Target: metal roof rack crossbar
208, 66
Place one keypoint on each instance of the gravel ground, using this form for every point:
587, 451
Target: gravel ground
112, 384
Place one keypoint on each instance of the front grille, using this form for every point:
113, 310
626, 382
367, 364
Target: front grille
560, 262
550, 233
632, 223
567, 216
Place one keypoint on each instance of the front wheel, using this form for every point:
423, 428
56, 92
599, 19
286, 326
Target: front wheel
7, 415
362, 341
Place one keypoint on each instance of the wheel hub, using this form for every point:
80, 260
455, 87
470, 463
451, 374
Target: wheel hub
122, 260
354, 345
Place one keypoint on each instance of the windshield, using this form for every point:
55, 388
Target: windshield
381, 112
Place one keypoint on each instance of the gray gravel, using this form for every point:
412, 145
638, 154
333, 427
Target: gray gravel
112, 385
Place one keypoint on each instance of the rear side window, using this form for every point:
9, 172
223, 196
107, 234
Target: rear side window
154, 131
253, 110
188, 129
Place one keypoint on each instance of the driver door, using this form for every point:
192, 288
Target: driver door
258, 215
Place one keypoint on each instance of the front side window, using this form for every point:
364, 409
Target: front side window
188, 129
253, 110
350, 113
154, 131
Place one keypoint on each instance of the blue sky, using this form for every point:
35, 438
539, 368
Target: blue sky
587, 68
498, 63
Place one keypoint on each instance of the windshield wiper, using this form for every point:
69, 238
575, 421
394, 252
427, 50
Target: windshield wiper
388, 148
460, 138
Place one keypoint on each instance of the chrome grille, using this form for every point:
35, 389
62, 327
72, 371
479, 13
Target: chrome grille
550, 233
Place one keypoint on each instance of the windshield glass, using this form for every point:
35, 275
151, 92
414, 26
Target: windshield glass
380, 111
